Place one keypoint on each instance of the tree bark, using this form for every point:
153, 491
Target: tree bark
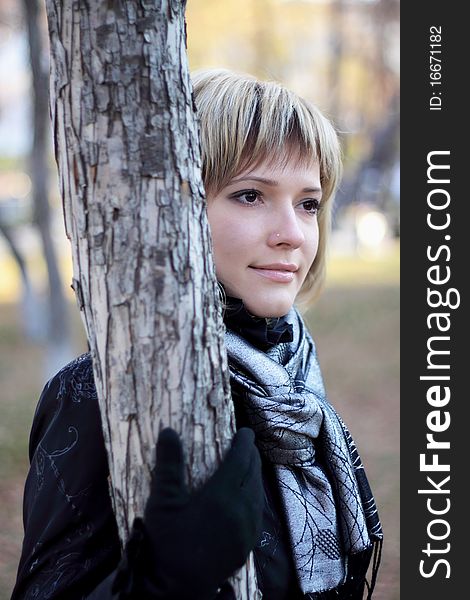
128, 157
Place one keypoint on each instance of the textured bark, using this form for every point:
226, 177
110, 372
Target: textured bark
129, 168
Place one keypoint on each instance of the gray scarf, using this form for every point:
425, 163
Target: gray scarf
330, 510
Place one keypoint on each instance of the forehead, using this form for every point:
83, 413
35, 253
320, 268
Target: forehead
282, 169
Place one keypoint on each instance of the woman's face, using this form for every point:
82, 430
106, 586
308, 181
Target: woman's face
265, 234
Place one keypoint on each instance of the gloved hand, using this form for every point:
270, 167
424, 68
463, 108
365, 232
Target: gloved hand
191, 543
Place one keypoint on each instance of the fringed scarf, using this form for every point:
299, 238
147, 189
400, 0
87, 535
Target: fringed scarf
330, 510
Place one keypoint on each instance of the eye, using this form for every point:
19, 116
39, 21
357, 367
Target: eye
247, 196
311, 206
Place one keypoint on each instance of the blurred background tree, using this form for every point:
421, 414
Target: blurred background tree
343, 55
44, 316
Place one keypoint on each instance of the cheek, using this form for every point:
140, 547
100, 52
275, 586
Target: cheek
226, 241
230, 255
232, 237
311, 246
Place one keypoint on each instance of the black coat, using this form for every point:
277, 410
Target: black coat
71, 541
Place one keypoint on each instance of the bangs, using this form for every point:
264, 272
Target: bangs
244, 122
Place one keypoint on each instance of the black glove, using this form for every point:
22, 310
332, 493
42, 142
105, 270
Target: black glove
189, 544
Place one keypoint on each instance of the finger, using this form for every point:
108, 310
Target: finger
243, 437
252, 489
168, 485
226, 592
236, 464
252, 482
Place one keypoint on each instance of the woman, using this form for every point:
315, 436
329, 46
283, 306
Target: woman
292, 487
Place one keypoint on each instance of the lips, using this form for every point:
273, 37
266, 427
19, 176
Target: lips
278, 272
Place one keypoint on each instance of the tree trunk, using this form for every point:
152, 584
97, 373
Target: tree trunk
335, 79
129, 168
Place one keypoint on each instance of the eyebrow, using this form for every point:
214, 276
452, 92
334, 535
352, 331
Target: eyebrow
272, 183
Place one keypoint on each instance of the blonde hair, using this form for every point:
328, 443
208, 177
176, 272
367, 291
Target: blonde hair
245, 121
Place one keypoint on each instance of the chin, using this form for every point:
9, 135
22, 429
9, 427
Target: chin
270, 307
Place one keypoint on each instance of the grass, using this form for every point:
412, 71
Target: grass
356, 329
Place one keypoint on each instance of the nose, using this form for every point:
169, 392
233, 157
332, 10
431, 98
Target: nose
287, 230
